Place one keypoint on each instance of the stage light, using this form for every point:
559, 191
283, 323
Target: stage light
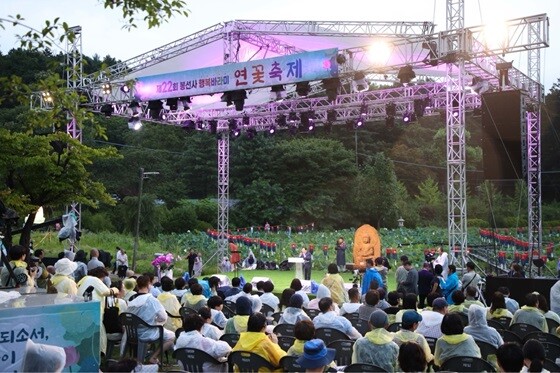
125, 88
246, 120
281, 120
185, 103
234, 129
238, 97
271, 129
359, 82
379, 53
302, 89
432, 57
479, 86
390, 109
495, 35
47, 97
293, 129
226, 97
503, 69
340, 59
135, 109
277, 93
173, 103
420, 107
213, 126
331, 87
106, 88
363, 110
134, 123
359, 122
292, 117
408, 117
189, 125
406, 74
107, 109
154, 108
308, 120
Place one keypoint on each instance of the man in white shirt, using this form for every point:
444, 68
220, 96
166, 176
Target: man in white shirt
122, 262
442, 260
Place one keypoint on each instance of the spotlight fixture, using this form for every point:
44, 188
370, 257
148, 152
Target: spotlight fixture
173, 103
238, 97
503, 69
363, 110
213, 126
134, 123
277, 93
106, 88
189, 125
246, 120
281, 120
340, 59
302, 89
125, 88
331, 116
359, 122
47, 97
420, 107
293, 129
226, 97
479, 86
406, 74
292, 117
432, 57
409, 117
234, 129
154, 108
331, 87
359, 83
271, 129
107, 109
135, 109
390, 109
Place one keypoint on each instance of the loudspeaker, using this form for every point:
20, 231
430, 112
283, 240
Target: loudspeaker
501, 135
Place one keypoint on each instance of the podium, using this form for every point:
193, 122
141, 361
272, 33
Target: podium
299, 266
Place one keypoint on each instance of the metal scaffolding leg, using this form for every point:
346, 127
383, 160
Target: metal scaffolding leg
533, 154
223, 194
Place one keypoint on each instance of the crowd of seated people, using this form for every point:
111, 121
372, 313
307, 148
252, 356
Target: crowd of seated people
452, 323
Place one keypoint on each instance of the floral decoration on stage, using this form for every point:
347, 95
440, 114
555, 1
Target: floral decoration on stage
164, 262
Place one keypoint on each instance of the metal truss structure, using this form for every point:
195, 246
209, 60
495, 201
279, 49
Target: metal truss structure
465, 53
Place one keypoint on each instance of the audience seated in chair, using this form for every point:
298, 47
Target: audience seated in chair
255, 340
430, 326
322, 292
510, 357
329, 318
530, 313
498, 307
411, 357
192, 338
285, 298
316, 356
371, 300
151, 311
410, 320
478, 327
170, 303
454, 342
377, 346
298, 288
268, 296
354, 303
470, 297
216, 304
129, 286
458, 306
179, 289
246, 292
293, 313
238, 323
194, 299
208, 329
304, 331
409, 302
533, 356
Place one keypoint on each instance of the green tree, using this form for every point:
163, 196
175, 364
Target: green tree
431, 203
258, 202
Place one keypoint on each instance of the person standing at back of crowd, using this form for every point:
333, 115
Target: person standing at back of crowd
380, 267
341, 254
370, 275
425, 278
443, 260
307, 257
401, 273
191, 258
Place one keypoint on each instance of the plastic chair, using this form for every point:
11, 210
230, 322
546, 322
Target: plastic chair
496, 324
432, 343
505, 321
285, 341
131, 324
184, 311
542, 337
358, 367
284, 329
193, 359
352, 316
311, 313
361, 325
552, 325
552, 350
394, 327
276, 317
246, 361
522, 329
486, 349
343, 351
551, 366
509, 336
329, 335
228, 311
267, 310
230, 338
466, 364
289, 364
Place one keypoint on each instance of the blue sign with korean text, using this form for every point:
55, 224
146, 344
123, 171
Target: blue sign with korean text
293, 68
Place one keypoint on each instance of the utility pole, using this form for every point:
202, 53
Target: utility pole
137, 230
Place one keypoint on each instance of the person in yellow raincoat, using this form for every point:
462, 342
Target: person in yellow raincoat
335, 283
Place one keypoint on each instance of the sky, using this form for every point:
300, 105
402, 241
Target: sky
102, 31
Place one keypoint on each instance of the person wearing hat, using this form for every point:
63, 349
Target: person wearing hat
454, 342
409, 324
316, 356
256, 340
430, 326
377, 346
63, 279
238, 323
293, 313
